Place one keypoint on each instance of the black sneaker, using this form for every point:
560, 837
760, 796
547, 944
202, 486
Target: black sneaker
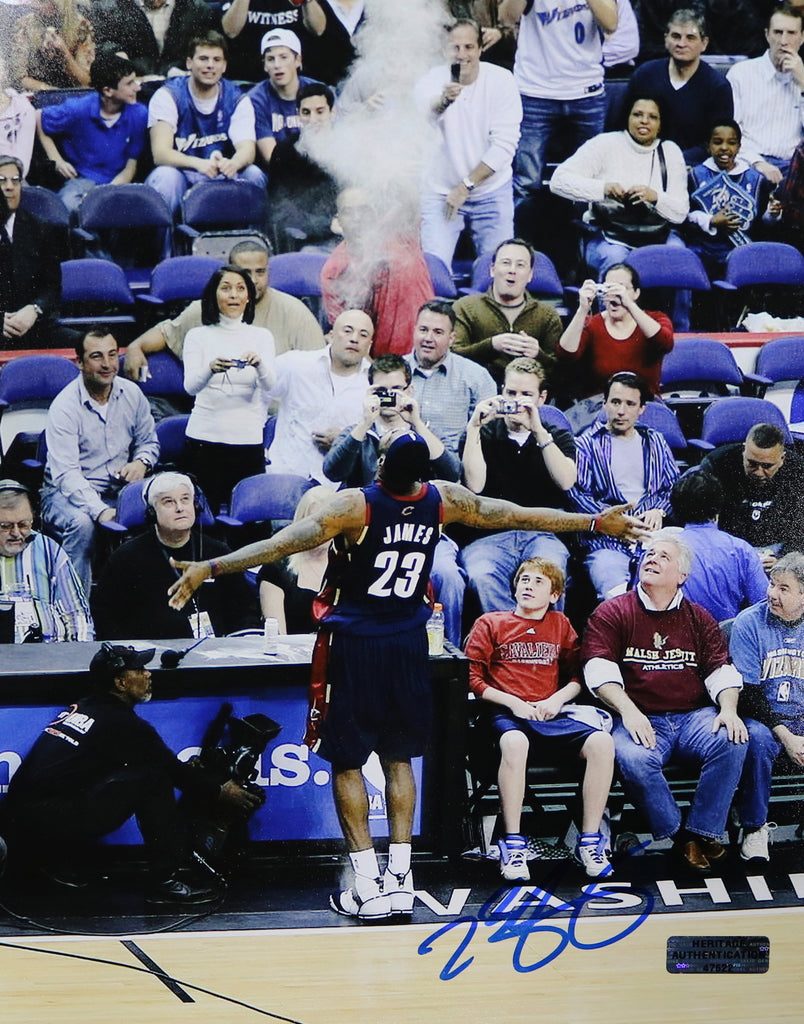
174, 890
64, 874
3, 856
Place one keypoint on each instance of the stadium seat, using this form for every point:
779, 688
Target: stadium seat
220, 206
668, 266
764, 265
166, 375
179, 279
297, 273
47, 206
266, 496
132, 222
781, 363
171, 433
551, 416
131, 509
728, 420
95, 292
695, 373
443, 284
28, 384
662, 418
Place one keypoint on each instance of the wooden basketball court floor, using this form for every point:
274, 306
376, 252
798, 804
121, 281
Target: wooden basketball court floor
272, 951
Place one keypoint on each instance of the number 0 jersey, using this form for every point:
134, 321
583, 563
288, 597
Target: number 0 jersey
378, 585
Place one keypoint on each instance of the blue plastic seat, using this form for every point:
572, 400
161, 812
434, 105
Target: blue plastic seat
28, 384
441, 278
265, 496
728, 420
179, 279
94, 292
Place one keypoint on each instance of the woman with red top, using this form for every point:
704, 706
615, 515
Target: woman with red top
622, 336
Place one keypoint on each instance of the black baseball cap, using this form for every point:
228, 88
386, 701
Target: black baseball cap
112, 659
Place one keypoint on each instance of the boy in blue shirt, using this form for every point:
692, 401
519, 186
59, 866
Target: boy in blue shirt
96, 140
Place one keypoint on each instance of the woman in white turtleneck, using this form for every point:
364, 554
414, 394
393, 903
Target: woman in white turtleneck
229, 367
625, 166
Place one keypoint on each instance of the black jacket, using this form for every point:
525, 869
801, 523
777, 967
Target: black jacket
130, 600
120, 25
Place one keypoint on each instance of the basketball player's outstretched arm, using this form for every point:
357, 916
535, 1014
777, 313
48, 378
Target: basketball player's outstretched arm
345, 515
463, 506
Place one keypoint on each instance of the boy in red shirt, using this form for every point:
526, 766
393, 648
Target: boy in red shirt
516, 660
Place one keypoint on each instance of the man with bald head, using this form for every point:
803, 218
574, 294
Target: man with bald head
320, 393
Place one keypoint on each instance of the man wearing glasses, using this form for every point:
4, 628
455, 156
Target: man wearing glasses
30, 267
763, 490
37, 576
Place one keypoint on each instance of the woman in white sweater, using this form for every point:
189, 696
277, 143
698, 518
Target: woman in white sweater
625, 168
229, 367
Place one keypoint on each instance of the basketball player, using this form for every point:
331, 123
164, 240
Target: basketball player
374, 631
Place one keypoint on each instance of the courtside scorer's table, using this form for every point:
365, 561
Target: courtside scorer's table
39, 681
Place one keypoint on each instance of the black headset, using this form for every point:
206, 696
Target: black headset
115, 663
150, 511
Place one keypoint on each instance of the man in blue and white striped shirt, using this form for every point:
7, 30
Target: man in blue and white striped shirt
37, 576
621, 460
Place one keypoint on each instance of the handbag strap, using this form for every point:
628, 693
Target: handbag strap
662, 166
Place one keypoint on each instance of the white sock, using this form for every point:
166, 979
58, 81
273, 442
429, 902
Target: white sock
364, 863
399, 858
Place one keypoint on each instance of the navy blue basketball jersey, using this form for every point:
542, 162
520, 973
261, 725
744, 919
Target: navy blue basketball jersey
200, 134
379, 584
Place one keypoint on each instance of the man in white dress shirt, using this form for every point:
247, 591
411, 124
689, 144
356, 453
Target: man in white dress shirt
769, 96
320, 393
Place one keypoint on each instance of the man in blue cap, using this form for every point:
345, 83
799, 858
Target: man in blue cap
374, 629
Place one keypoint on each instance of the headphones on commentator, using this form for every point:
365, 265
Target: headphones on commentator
150, 511
17, 488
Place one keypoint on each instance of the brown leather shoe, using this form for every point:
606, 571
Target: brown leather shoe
713, 850
693, 856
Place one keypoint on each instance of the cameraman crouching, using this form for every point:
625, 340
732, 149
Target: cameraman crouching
96, 765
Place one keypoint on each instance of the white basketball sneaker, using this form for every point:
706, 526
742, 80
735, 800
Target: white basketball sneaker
366, 900
400, 890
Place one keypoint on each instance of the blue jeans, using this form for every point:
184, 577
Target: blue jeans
753, 796
490, 218
576, 120
491, 562
75, 530
609, 568
683, 736
171, 183
449, 584
601, 254
73, 192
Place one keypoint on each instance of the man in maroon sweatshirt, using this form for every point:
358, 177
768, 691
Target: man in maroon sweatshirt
662, 664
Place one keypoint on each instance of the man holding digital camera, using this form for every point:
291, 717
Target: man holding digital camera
509, 453
389, 404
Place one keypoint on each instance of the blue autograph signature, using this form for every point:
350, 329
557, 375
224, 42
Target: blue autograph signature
526, 918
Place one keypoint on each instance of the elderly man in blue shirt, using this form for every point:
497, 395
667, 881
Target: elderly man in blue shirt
100, 436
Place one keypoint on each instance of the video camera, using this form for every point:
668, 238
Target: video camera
230, 749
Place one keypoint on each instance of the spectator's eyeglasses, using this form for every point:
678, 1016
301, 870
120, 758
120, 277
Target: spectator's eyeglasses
14, 179
23, 524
